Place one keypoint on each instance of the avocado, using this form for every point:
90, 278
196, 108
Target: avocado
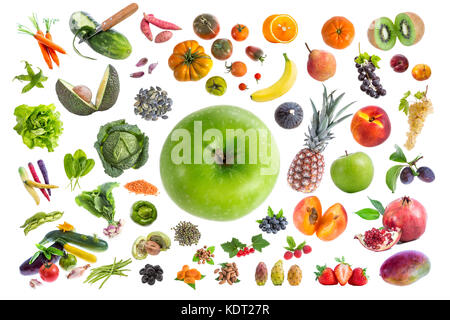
71, 101
108, 90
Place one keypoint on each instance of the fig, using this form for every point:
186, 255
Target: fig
152, 248
379, 240
405, 268
83, 92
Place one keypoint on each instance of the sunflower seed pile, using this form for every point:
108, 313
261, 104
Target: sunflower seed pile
152, 104
186, 233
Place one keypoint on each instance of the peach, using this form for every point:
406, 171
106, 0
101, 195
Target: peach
307, 215
370, 126
321, 64
333, 223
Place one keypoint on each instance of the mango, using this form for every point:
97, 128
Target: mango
405, 268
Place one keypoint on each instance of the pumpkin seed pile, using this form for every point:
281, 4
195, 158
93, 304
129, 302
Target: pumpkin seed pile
186, 233
152, 104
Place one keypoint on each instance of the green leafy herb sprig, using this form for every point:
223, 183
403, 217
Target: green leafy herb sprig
34, 79
292, 246
47, 252
367, 58
233, 247
370, 213
394, 172
77, 166
404, 103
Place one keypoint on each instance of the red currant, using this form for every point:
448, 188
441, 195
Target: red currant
252, 250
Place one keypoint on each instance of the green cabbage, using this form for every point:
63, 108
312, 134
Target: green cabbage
121, 146
39, 126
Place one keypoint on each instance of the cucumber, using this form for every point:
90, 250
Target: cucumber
110, 43
84, 241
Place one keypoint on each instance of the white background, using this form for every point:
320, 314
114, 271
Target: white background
80, 132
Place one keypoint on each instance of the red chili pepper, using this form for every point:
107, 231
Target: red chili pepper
36, 179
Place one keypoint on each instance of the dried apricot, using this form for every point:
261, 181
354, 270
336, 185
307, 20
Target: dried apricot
180, 275
189, 280
194, 273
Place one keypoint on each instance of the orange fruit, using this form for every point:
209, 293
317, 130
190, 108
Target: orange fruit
280, 28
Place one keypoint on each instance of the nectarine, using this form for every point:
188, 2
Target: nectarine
370, 126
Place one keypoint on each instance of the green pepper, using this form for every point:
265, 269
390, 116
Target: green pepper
68, 261
143, 213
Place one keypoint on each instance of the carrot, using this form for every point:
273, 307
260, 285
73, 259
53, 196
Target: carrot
36, 179
161, 23
43, 48
51, 51
42, 39
44, 172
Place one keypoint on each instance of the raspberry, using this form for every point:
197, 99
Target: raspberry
298, 253
288, 255
307, 249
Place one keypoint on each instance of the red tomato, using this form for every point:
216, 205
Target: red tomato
237, 69
239, 32
49, 272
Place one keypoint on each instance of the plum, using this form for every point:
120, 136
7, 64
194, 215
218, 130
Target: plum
399, 63
405, 268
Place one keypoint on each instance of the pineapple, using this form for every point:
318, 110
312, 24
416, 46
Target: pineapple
306, 170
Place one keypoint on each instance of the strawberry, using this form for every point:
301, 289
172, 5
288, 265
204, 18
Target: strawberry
343, 271
326, 276
358, 277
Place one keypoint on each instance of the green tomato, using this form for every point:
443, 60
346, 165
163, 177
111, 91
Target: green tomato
68, 261
216, 86
226, 188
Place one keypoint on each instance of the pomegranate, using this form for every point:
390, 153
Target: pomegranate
379, 239
408, 215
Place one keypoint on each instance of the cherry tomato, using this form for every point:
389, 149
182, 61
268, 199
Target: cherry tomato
257, 77
239, 32
49, 272
243, 87
237, 69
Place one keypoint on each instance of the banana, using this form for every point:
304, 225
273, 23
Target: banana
279, 88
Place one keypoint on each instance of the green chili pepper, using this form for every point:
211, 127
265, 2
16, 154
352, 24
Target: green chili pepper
39, 219
144, 213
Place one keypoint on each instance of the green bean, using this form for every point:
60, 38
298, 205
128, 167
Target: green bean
105, 272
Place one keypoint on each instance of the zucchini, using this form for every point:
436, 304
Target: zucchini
110, 43
84, 241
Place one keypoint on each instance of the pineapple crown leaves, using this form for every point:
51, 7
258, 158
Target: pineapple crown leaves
319, 132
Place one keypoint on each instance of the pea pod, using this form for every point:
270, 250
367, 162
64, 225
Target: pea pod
144, 213
39, 219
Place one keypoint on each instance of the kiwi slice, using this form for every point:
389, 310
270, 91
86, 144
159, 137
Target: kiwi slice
382, 33
409, 27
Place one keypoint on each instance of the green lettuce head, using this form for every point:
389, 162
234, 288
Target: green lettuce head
121, 146
39, 126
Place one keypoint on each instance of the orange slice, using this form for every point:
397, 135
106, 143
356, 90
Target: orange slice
280, 28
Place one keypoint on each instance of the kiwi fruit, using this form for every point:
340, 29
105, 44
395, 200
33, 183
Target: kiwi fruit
382, 34
409, 28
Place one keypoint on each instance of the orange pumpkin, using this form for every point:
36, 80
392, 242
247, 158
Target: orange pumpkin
189, 61
338, 32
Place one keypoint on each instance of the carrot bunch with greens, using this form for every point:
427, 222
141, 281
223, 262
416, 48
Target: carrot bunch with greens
46, 43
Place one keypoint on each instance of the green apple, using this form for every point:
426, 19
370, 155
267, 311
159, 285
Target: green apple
353, 172
219, 163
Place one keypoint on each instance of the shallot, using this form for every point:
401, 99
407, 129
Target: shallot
78, 272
